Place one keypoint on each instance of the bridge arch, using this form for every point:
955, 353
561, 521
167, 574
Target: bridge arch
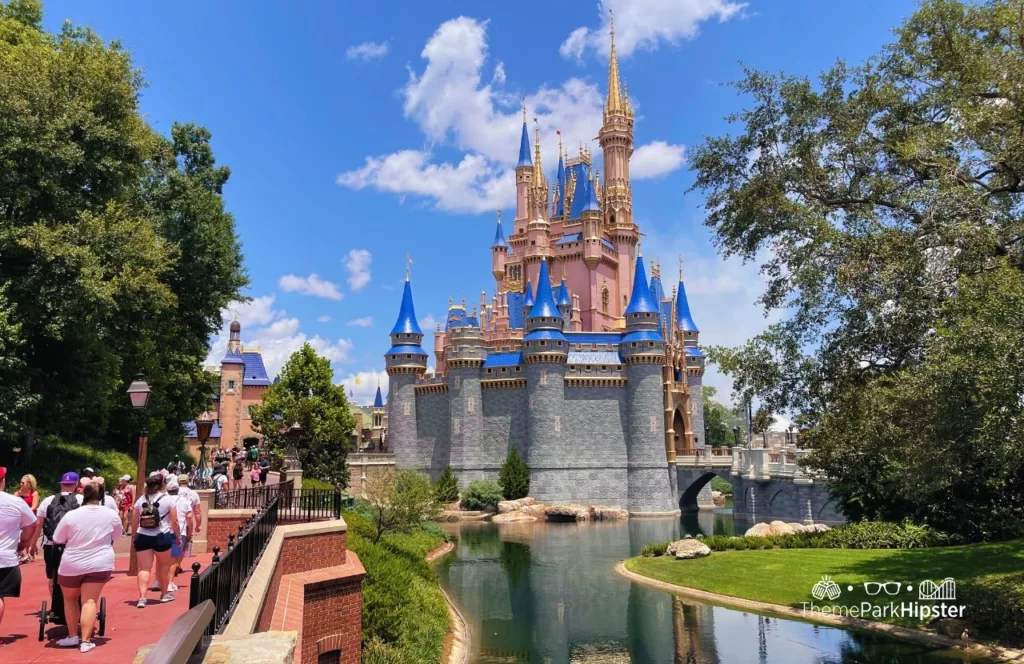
688, 499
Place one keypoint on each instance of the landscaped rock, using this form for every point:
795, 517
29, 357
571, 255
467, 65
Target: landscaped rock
718, 498
781, 528
571, 512
513, 505
604, 513
537, 510
685, 549
512, 517
758, 530
816, 528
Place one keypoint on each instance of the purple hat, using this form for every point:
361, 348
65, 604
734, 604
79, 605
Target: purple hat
69, 478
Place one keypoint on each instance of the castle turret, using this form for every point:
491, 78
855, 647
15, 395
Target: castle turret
693, 371
559, 194
464, 358
545, 350
524, 176
406, 361
527, 301
235, 337
564, 303
499, 252
643, 351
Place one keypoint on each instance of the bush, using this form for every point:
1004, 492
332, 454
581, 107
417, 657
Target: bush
481, 494
721, 485
313, 483
446, 489
996, 607
862, 535
53, 457
514, 477
655, 549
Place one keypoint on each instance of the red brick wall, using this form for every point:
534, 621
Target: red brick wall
219, 527
332, 619
303, 554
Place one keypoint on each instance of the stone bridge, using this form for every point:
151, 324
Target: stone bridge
768, 484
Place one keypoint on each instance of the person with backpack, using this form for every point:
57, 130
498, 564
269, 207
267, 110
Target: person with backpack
155, 524
50, 512
17, 530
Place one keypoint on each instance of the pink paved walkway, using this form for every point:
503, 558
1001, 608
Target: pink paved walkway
127, 626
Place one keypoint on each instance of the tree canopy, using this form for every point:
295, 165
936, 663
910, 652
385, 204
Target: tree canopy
884, 203
305, 394
116, 252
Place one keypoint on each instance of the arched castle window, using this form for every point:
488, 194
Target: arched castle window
604, 299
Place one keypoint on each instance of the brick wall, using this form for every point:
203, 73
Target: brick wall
332, 619
303, 554
221, 523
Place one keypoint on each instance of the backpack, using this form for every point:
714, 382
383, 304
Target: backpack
149, 515
59, 506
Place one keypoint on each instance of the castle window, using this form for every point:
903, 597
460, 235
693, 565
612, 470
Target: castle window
651, 344
231, 384
503, 370
248, 411
589, 367
647, 315
407, 408
458, 382
632, 344
455, 425
543, 343
408, 357
543, 377
471, 405
572, 367
604, 299
492, 370
604, 368
579, 346
517, 369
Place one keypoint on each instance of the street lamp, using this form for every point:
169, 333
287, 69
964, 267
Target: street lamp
291, 457
791, 438
736, 436
204, 427
138, 394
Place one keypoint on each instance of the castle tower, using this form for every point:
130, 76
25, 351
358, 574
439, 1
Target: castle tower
693, 366
524, 177
528, 300
564, 303
599, 304
235, 336
545, 350
643, 351
559, 208
406, 361
465, 401
499, 252
616, 139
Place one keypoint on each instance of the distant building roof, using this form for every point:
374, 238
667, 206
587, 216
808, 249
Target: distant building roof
683, 318
569, 238
233, 357
562, 297
544, 305
255, 372
524, 148
378, 401
190, 429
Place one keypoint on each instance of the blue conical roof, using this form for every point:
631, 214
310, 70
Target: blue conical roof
563, 295
545, 306
499, 237
591, 203
560, 209
683, 318
406, 323
641, 301
378, 401
528, 295
524, 148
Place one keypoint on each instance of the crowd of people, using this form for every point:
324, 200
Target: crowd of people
77, 528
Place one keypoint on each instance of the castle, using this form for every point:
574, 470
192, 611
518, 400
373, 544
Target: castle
593, 375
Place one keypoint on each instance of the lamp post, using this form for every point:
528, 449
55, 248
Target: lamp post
138, 393
792, 439
204, 427
736, 436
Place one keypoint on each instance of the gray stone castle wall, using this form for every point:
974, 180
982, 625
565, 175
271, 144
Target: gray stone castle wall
504, 427
466, 411
596, 418
411, 451
697, 408
432, 420
649, 488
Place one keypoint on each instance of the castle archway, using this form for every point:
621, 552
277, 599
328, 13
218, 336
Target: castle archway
688, 501
679, 427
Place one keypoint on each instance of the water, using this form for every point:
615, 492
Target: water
547, 593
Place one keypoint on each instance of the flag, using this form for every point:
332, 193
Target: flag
357, 381
558, 131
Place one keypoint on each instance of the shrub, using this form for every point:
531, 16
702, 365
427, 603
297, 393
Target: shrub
313, 483
481, 494
446, 489
996, 607
655, 549
53, 457
721, 485
862, 535
399, 501
514, 477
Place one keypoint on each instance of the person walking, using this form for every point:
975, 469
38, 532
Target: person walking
264, 464
183, 509
124, 498
155, 525
176, 467
17, 529
87, 535
28, 492
237, 468
50, 512
195, 506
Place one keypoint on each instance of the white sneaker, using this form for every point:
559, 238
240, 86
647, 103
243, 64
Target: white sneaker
86, 646
169, 597
172, 587
141, 604
155, 588
68, 641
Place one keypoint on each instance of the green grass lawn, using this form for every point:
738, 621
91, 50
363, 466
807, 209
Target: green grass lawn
786, 576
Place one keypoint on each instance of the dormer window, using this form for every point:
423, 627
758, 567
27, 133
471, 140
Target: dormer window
632, 344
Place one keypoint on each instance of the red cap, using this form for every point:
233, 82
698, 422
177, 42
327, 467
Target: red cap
3, 472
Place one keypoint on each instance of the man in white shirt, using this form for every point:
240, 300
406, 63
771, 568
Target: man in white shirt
16, 532
193, 499
51, 556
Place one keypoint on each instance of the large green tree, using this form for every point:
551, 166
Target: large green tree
719, 420
875, 199
116, 254
306, 395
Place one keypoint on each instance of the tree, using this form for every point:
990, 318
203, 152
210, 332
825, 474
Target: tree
15, 397
399, 501
874, 198
719, 420
306, 394
514, 477
446, 489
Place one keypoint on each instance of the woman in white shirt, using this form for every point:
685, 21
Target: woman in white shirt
155, 524
87, 534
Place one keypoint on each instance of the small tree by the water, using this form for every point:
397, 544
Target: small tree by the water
446, 489
514, 477
399, 501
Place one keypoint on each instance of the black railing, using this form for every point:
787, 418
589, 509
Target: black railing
252, 498
225, 578
312, 505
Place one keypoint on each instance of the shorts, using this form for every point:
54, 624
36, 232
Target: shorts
51, 559
10, 581
177, 550
237, 474
158, 543
76, 580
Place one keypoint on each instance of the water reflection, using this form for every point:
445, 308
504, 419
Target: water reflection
547, 594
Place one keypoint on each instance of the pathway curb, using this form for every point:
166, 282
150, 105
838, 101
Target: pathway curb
459, 633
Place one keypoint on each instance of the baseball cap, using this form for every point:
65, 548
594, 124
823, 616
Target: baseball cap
126, 478
3, 472
172, 483
69, 478
183, 479
89, 470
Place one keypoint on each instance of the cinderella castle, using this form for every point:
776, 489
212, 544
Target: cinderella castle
588, 368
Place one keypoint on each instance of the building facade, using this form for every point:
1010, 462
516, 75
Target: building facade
594, 375
370, 434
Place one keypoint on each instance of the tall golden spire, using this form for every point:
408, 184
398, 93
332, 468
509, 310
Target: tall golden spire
614, 102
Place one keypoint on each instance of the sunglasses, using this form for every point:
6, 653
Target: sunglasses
890, 587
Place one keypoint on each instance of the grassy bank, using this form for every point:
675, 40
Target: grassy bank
53, 457
786, 576
405, 616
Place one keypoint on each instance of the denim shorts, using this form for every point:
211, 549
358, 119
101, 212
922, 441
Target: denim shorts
158, 543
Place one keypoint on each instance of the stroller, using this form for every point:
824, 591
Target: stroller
56, 613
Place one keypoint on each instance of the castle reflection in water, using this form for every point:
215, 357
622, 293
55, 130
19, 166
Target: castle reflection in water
548, 594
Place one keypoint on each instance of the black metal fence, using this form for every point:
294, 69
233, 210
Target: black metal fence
252, 498
225, 578
312, 505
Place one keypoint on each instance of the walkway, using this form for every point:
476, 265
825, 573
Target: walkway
127, 627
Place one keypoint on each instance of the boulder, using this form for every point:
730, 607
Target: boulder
513, 505
571, 512
816, 528
604, 513
537, 510
758, 530
513, 517
685, 549
781, 528
718, 498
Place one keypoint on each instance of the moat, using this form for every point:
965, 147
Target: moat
547, 593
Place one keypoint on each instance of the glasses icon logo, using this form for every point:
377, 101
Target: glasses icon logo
890, 587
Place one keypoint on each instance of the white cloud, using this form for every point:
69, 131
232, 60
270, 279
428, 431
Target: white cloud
357, 263
499, 73
428, 324
361, 322
367, 51
645, 24
311, 285
274, 333
366, 389
656, 159
323, 319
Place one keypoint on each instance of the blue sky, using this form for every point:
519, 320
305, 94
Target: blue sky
358, 132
